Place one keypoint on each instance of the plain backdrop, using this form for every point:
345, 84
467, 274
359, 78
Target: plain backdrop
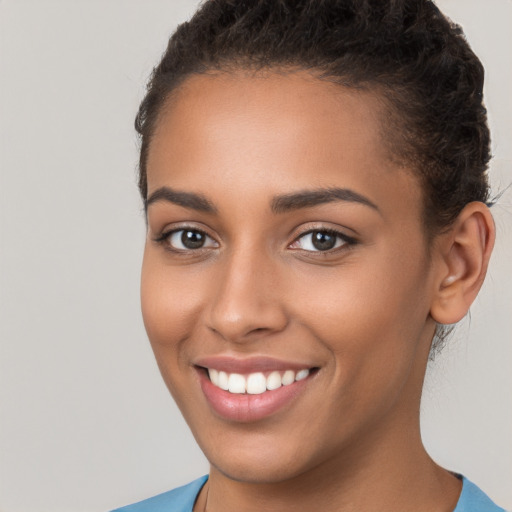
85, 422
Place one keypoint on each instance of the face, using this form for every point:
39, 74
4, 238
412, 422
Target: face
285, 261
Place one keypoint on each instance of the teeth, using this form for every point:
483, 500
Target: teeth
274, 381
302, 375
223, 381
254, 383
288, 377
236, 383
214, 376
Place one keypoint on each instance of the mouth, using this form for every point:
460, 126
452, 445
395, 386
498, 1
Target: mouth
247, 391
255, 383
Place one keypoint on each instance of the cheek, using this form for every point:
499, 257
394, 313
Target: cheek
167, 311
378, 297
370, 316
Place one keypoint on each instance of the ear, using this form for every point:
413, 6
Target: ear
464, 253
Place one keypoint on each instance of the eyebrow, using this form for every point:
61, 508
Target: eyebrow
310, 198
186, 199
280, 204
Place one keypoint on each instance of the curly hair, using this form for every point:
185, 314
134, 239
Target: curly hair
406, 50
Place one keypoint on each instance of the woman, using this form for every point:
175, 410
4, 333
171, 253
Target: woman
314, 178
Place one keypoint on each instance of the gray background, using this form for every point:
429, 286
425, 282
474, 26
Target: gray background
85, 421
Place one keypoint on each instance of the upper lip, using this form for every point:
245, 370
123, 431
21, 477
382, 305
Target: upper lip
230, 364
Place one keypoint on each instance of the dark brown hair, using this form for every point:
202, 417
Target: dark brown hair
407, 50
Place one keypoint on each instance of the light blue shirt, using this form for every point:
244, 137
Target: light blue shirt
182, 499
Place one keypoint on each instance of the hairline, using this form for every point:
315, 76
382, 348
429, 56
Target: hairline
401, 153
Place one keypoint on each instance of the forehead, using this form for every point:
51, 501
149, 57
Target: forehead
270, 132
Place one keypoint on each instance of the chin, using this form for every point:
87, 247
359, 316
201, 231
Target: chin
259, 461
258, 472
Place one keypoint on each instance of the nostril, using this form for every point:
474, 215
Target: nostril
259, 329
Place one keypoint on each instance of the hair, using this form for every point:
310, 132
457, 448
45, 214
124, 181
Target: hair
406, 50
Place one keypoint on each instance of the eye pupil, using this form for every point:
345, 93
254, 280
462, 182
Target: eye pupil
323, 241
192, 239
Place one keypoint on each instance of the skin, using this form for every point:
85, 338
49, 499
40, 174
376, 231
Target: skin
363, 313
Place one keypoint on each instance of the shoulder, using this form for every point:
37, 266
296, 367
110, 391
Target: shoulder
180, 499
473, 499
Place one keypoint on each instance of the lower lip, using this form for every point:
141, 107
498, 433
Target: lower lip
245, 408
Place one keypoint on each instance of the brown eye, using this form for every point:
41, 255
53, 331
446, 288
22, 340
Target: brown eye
321, 240
192, 239
189, 239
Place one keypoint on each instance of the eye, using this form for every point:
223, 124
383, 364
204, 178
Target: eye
321, 240
187, 239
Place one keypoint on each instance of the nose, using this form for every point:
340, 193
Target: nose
247, 301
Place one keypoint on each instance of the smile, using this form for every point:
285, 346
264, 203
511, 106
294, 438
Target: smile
253, 389
254, 383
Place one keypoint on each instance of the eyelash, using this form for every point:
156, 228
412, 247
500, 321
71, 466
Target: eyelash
347, 241
165, 239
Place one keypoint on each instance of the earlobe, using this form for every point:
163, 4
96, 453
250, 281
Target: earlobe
465, 251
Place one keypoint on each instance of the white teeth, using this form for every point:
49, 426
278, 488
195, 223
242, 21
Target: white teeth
274, 381
237, 383
214, 376
223, 381
288, 377
302, 375
254, 383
